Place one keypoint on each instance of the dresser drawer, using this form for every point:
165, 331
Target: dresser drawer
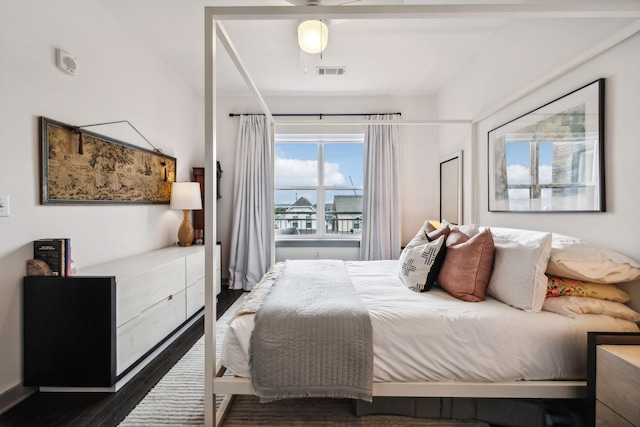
195, 297
618, 380
195, 267
138, 336
138, 293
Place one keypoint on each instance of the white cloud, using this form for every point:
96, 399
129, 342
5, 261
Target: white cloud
545, 174
517, 174
332, 175
294, 172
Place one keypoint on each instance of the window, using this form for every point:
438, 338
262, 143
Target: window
318, 178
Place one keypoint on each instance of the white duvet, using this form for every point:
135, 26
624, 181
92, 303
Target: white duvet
433, 336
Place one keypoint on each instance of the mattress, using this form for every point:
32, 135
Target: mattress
433, 336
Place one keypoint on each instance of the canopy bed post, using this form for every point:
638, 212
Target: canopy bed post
473, 172
272, 127
564, 389
210, 219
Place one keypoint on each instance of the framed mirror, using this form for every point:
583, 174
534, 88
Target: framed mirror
451, 188
552, 158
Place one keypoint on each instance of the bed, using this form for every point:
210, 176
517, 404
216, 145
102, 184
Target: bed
519, 337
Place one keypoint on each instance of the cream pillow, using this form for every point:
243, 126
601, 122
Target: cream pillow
520, 261
577, 259
570, 306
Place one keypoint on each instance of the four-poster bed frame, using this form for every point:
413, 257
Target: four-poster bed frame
214, 31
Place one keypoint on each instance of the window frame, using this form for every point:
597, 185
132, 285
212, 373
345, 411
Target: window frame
320, 189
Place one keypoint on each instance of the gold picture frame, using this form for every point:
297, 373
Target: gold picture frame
83, 167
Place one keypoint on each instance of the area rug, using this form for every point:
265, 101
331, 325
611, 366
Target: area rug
248, 411
178, 400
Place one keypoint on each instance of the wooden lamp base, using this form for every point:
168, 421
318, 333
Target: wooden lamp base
185, 232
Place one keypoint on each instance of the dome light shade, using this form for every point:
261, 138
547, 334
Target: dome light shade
313, 36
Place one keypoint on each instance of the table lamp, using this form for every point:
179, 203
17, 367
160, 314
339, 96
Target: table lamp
185, 196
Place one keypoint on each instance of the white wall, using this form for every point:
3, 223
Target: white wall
419, 157
616, 228
118, 78
520, 53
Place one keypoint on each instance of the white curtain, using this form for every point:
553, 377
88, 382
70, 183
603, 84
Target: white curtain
381, 201
252, 229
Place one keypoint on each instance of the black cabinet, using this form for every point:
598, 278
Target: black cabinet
69, 331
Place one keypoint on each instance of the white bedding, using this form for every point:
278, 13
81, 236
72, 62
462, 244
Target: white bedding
433, 336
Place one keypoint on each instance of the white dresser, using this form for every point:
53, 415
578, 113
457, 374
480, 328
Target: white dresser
145, 301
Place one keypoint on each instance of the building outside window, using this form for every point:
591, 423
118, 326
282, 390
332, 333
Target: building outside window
318, 178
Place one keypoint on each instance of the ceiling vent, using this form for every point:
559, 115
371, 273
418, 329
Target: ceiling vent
331, 71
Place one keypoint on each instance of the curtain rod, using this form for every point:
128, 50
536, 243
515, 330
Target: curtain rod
314, 114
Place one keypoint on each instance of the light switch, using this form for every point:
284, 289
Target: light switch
4, 205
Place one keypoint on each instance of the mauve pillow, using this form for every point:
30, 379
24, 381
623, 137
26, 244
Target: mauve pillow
467, 266
442, 231
468, 229
428, 227
433, 233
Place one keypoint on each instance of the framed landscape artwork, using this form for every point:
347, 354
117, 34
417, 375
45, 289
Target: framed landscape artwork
552, 158
82, 167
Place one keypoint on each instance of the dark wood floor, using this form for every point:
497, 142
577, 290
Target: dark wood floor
107, 409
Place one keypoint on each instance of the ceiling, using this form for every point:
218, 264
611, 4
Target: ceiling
382, 57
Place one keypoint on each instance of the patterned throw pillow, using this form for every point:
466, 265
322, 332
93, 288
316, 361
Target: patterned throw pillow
561, 286
420, 262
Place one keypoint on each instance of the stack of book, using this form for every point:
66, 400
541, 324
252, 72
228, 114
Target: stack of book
56, 253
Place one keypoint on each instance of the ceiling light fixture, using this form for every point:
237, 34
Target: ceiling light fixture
313, 35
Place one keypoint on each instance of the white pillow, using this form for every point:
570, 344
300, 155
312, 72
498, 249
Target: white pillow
419, 264
577, 259
519, 264
570, 306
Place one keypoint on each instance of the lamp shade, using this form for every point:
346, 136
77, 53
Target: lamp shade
186, 196
313, 36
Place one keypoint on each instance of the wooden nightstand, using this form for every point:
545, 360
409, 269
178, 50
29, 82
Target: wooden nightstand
618, 385
614, 379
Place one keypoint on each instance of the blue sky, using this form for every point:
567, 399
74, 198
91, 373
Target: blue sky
296, 164
518, 162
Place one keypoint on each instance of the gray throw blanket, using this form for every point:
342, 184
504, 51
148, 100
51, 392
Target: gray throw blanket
312, 336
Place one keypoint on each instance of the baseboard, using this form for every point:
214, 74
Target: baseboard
15, 395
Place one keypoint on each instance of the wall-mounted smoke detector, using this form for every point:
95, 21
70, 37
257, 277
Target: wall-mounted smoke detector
67, 63
330, 71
